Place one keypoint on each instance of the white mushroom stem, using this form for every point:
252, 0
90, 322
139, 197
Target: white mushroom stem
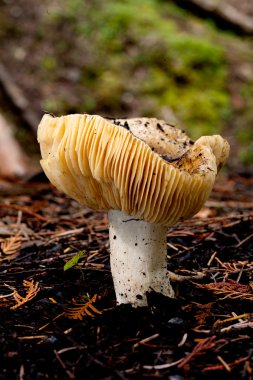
138, 259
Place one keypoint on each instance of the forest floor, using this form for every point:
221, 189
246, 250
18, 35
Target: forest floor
58, 324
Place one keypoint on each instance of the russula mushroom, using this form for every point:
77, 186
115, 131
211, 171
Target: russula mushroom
147, 174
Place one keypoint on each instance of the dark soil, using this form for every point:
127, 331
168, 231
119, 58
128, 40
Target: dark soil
205, 332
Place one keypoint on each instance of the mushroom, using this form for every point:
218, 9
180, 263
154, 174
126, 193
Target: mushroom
147, 174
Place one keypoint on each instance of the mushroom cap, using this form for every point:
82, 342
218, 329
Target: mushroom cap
143, 167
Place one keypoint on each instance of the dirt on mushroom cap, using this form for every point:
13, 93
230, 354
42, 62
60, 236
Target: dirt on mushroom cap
161, 137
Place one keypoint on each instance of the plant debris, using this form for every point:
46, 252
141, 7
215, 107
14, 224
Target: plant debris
31, 292
11, 246
65, 324
79, 310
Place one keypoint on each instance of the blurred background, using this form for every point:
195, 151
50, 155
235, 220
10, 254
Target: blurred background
187, 62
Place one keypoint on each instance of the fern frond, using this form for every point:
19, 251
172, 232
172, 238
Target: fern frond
12, 245
80, 310
31, 291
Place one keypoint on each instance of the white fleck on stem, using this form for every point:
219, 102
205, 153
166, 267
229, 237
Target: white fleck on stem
138, 259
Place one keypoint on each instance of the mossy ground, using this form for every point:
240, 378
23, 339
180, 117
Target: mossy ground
125, 58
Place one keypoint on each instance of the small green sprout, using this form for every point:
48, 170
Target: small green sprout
74, 260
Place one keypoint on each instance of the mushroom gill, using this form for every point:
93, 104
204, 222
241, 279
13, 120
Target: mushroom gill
123, 165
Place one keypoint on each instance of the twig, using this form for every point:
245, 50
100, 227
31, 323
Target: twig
225, 364
163, 366
70, 374
230, 365
183, 340
238, 326
145, 340
25, 210
181, 278
65, 234
32, 337
244, 241
63, 350
211, 258
22, 372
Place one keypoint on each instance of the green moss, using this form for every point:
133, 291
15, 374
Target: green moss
49, 63
246, 154
150, 52
53, 105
